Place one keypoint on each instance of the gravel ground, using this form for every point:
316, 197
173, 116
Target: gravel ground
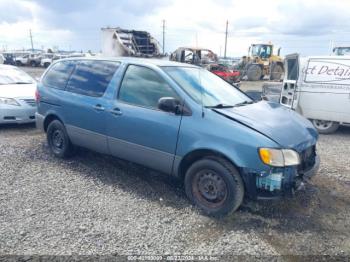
95, 204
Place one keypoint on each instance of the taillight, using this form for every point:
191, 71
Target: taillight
37, 96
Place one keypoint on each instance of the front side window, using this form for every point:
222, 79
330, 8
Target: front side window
58, 75
205, 87
143, 87
92, 77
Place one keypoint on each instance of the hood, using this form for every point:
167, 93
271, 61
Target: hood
22, 90
282, 125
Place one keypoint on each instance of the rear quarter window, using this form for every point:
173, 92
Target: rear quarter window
92, 77
58, 75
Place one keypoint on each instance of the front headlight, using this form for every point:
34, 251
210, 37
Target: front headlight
279, 157
9, 101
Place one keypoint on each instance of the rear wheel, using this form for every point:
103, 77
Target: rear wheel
254, 73
276, 72
325, 127
58, 140
215, 186
33, 64
46, 64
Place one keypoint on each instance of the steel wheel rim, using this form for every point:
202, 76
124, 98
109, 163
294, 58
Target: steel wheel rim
210, 188
57, 140
322, 124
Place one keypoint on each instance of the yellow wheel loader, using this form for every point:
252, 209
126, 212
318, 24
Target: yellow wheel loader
262, 62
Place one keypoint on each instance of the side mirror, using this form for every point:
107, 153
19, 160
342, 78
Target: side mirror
169, 104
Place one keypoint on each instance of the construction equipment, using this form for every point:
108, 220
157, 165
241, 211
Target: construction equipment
123, 42
261, 62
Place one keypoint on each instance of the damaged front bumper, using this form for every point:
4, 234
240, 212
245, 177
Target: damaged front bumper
279, 182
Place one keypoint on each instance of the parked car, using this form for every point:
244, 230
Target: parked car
2, 59
22, 60
318, 88
34, 60
9, 59
46, 60
181, 120
17, 96
230, 75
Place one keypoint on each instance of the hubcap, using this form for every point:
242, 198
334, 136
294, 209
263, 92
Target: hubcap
57, 139
321, 124
209, 188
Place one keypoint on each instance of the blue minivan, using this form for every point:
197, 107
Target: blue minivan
181, 120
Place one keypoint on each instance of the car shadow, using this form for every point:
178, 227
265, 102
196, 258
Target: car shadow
304, 212
9, 127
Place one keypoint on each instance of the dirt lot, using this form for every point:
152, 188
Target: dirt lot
94, 204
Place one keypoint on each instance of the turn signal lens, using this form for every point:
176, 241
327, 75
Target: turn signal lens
279, 157
272, 157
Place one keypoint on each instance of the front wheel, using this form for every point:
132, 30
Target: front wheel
325, 127
58, 140
254, 73
215, 186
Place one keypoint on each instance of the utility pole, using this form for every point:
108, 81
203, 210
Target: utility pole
163, 37
226, 39
31, 39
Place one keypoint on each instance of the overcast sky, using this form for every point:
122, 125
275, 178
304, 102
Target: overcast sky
301, 26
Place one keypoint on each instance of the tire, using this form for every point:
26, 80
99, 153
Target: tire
58, 140
254, 73
325, 127
46, 64
18, 63
215, 186
276, 72
33, 64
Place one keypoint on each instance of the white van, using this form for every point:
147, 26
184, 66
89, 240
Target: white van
319, 89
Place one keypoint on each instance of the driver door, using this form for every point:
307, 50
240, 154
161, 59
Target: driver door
137, 130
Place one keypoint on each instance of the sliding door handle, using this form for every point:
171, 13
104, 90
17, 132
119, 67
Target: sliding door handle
116, 112
98, 107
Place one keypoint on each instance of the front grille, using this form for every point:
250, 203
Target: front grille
308, 159
30, 102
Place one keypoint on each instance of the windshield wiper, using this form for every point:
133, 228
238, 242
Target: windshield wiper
244, 103
20, 83
218, 106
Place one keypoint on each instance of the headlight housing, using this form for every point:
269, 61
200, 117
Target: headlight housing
9, 101
279, 157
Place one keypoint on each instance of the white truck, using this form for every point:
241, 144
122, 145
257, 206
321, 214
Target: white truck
318, 88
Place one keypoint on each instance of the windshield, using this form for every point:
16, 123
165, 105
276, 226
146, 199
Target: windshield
342, 51
197, 81
262, 51
12, 75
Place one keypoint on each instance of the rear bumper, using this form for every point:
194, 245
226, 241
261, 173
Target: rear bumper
39, 119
